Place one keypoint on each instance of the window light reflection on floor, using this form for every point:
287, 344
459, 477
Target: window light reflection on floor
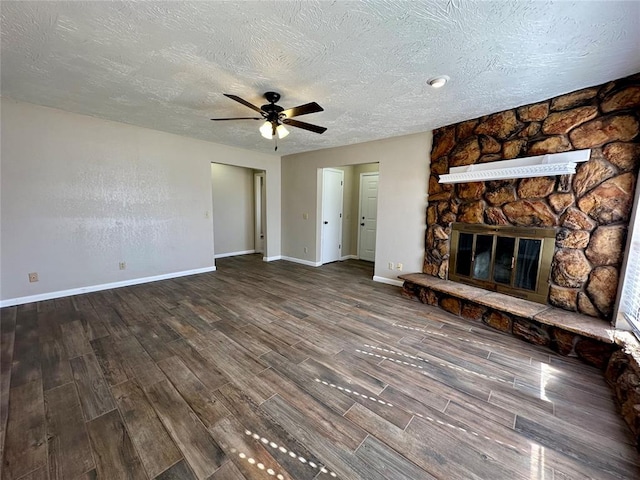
537, 471
545, 376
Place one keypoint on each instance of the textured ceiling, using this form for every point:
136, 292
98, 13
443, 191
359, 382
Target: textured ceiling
165, 65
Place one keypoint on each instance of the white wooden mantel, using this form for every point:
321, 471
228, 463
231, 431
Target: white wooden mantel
540, 166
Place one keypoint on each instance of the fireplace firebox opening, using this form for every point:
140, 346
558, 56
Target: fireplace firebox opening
505, 259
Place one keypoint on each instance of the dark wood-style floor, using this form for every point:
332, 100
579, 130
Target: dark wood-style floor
277, 370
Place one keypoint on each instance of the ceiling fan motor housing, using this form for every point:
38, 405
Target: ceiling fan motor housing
272, 97
271, 109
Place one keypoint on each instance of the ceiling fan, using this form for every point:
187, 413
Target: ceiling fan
277, 117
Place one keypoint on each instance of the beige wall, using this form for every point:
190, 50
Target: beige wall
233, 209
404, 168
81, 194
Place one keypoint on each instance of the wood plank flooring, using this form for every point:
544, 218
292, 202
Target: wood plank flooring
281, 371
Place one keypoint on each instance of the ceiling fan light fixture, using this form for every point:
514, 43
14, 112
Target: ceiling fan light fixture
282, 131
266, 130
438, 82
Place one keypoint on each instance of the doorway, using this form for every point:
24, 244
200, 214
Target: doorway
367, 216
260, 211
331, 226
239, 210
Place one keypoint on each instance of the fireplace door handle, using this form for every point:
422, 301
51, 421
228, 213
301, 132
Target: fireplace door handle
513, 262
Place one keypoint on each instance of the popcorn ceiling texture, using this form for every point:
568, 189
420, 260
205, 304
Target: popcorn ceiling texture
590, 209
165, 65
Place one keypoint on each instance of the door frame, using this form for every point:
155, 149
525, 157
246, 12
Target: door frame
321, 211
362, 175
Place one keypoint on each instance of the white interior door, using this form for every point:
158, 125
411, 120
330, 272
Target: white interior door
332, 187
260, 211
368, 214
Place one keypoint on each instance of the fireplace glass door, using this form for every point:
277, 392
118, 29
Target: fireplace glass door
510, 260
527, 263
482, 257
503, 264
465, 253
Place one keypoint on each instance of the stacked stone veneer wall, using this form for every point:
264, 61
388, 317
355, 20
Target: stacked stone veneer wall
623, 375
591, 209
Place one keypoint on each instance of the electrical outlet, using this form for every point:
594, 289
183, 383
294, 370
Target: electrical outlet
122, 265
305, 216
399, 266
206, 214
306, 250
33, 277
390, 265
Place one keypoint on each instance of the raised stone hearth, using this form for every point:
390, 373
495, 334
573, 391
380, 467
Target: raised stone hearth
590, 209
567, 333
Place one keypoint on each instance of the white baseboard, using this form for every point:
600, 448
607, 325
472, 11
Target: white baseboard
10, 302
234, 254
271, 259
309, 263
388, 281
349, 257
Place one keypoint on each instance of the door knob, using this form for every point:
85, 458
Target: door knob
325, 222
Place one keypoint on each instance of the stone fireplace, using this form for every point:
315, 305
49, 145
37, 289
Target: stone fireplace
588, 211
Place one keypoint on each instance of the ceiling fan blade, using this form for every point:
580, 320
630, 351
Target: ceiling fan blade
238, 118
242, 101
304, 126
312, 107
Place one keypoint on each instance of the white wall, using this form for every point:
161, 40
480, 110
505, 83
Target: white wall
404, 172
81, 194
233, 209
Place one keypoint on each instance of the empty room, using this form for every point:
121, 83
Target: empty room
306, 240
